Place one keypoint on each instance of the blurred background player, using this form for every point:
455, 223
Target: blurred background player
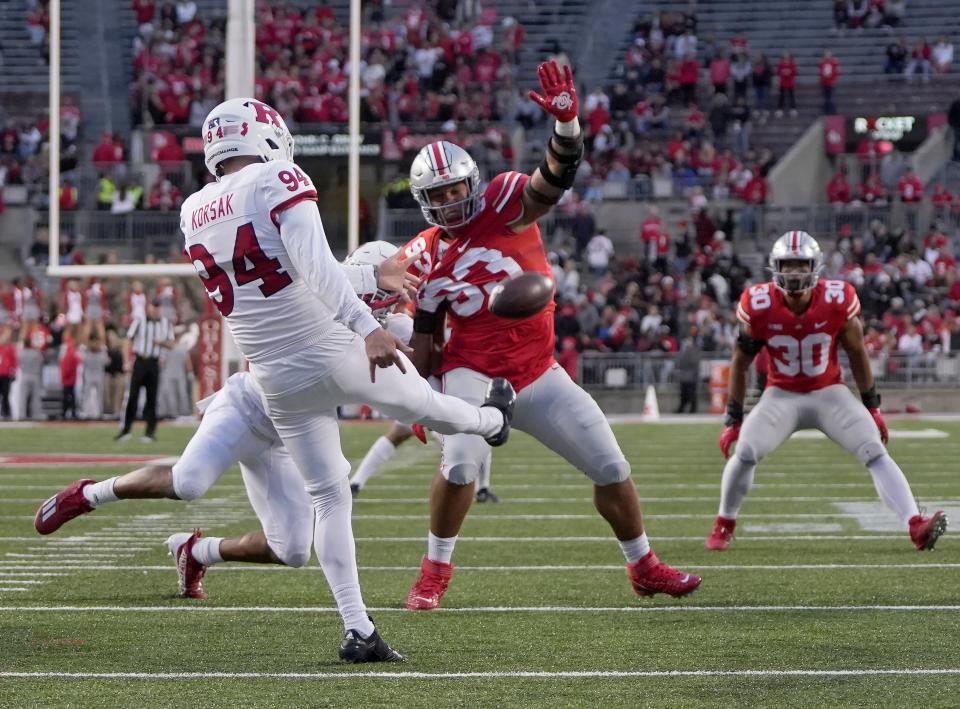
495, 236
175, 397
94, 360
8, 370
799, 320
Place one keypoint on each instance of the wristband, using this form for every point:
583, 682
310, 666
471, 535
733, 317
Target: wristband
871, 398
734, 413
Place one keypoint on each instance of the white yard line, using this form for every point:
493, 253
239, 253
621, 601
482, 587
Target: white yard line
191, 608
572, 674
88, 565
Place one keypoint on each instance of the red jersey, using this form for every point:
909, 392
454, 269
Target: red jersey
485, 253
802, 348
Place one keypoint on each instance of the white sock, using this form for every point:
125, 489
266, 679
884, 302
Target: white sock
379, 453
206, 550
892, 486
491, 421
483, 480
734, 485
336, 550
440, 548
635, 549
98, 493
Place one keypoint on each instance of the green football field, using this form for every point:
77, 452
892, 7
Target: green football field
821, 600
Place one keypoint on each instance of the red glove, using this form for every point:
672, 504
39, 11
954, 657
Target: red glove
419, 432
728, 437
881, 425
560, 96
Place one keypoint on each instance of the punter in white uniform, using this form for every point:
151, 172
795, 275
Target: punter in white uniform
258, 244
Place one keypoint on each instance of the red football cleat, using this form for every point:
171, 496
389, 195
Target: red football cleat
189, 570
430, 586
721, 535
650, 576
925, 531
62, 507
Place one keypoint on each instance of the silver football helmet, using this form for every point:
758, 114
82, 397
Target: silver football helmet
440, 164
373, 253
796, 246
244, 126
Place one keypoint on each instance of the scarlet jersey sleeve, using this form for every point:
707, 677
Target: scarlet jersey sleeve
852, 302
754, 306
502, 198
283, 185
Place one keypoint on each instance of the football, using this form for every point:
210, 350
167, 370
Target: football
521, 296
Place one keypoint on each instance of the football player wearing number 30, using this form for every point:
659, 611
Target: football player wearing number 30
801, 320
258, 244
478, 238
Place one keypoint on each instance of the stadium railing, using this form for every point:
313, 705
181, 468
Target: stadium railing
634, 370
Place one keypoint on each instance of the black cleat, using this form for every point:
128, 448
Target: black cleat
501, 396
485, 494
354, 489
356, 649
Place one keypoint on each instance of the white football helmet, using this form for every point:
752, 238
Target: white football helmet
439, 164
244, 126
796, 246
373, 253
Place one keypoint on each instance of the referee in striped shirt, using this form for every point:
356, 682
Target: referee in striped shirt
145, 338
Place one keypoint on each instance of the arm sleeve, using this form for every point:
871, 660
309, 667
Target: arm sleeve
132, 330
851, 302
301, 232
285, 185
743, 309
362, 278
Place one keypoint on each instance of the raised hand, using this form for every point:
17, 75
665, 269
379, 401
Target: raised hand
559, 97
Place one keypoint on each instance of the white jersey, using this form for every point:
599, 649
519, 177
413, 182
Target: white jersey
285, 298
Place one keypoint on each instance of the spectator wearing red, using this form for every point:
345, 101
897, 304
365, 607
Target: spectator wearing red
910, 188
786, 72
569, 358
756, 191
107, 153
838, 189
69, 366
872, 191
69, 196
941, 198
513, 37
719, 72
8, 370
650, 232
163, 197
144, 10
688, 76
919, 64
829, 69
694, 122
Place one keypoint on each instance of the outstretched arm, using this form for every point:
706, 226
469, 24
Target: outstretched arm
564, 149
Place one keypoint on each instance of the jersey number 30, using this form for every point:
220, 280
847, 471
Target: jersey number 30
246, 249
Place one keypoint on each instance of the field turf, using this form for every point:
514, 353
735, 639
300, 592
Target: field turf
821, 600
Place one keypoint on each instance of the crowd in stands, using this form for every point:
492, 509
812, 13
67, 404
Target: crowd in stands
681, 114
434, 63
24, 141
77, 335
857, 14
921, 60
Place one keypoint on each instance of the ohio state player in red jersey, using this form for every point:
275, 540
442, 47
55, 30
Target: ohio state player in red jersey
801, 320
494, 236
